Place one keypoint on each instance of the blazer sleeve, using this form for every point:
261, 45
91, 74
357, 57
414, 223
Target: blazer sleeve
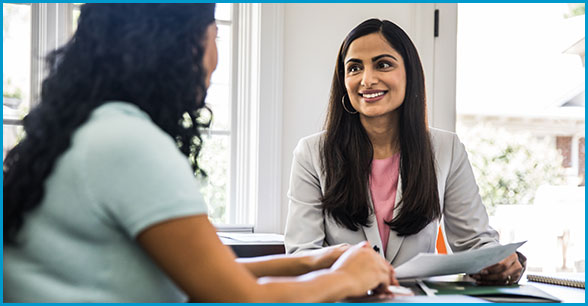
465, 217
305, 224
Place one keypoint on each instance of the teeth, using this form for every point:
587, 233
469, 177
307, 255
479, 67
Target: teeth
371, 96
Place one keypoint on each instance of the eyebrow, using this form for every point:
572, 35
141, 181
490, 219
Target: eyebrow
375, 58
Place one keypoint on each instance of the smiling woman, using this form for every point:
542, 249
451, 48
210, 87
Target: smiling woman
377, 172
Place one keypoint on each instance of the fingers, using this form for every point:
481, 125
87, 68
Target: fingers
506, 272
392, 274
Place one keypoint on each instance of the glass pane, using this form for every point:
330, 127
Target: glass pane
215, 160
16, 60
12, 135
222, 74
218, 97
223, 11
520, 113
75, 15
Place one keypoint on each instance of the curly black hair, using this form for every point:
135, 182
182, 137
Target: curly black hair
146, 54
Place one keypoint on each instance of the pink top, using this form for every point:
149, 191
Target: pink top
383, 185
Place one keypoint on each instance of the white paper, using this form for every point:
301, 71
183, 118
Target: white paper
470, 262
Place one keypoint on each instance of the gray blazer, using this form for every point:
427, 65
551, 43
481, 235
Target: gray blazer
464, 216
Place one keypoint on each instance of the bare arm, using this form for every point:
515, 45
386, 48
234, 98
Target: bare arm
282, 265
189, 251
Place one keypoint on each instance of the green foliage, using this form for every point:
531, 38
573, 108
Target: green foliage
215, 160
510, 167
576, 9
11, 91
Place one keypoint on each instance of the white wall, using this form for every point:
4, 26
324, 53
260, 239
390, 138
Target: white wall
312, 37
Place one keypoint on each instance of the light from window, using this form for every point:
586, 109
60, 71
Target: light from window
215, 158
16, 75
520, 113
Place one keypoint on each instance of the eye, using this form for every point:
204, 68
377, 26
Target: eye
353, 68
384, 65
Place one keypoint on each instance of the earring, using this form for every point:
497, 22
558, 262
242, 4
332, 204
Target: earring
345, 107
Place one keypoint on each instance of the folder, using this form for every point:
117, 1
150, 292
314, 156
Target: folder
512, 293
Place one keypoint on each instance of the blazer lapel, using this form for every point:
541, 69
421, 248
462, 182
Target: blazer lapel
394, 241
371, 232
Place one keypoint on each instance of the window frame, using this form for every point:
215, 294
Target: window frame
257, 118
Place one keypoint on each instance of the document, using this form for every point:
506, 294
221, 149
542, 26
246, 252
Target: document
470, 262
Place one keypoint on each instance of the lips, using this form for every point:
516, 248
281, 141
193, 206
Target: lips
372, 95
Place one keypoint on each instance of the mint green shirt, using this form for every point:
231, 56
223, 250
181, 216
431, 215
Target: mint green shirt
121, 175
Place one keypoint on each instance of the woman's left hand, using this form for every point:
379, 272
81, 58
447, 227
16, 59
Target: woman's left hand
506, 272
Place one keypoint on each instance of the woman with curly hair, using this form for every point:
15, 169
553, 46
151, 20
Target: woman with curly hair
101, 202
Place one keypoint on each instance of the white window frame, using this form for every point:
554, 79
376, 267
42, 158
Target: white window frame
51, 27
257, 117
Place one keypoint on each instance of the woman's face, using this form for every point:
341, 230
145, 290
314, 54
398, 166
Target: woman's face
375, 77
210, 58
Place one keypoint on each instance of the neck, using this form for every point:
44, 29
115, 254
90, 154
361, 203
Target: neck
383, 134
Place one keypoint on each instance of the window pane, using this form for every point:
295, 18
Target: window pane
75, 15
219, 94
520, 113
222, 74
218, 99
223, 11
17, 60
12, 134
215, 160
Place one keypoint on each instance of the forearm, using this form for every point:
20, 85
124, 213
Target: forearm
318, 287
278, 265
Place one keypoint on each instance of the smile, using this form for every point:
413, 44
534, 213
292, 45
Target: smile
373, 94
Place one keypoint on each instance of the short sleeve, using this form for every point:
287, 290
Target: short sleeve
136, 175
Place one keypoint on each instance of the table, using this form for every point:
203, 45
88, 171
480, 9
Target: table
253, 244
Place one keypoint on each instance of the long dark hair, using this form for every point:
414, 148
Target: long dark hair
146, 54
347, 152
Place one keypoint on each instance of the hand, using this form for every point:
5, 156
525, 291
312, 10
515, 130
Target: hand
327, 256
506, 272
366, 270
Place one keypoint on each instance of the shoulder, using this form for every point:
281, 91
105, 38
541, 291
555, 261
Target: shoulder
444, 142
310, 144
118, 128
439, 136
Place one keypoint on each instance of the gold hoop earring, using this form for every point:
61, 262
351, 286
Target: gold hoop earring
345, 107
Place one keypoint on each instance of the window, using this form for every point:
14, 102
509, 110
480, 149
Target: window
30, 32
16, 78
33, 30
216, 154
520, 112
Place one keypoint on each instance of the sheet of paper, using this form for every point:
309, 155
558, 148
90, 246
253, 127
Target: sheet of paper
470, 262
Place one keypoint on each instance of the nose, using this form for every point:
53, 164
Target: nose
369, 78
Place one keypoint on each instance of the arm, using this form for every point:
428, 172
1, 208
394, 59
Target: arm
281, 265
189, 251
466, 220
